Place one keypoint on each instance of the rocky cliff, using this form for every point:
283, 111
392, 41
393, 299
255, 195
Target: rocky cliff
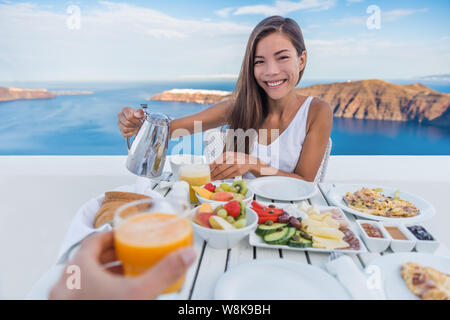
381, 100
7, 94
192, 96
366, 99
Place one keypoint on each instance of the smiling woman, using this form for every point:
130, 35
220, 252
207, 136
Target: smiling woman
263, 102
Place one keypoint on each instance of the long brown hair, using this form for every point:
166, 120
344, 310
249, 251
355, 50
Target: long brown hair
250, 101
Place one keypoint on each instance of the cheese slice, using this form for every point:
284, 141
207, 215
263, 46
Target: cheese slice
326, 232
319, 217
330, 244
330, 222
307, 222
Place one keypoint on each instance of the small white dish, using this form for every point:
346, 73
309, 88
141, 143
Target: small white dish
288, 280
225, 239
178, 160
283, 188
372, 243
398, 245
248, 197
429, 246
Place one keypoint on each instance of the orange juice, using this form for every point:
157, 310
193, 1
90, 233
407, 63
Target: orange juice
195, 175
142, 240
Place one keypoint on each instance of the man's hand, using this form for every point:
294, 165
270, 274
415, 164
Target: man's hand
100, 283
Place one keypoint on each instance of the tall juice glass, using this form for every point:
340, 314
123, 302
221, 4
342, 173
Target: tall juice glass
146, 231
195, 175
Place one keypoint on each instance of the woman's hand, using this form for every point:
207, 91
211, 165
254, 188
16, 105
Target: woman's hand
96, 282
232, 164
130, 121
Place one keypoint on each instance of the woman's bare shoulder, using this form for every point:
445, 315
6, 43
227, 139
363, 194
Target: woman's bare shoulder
320, 111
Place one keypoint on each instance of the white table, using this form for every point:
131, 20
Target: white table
40, 195
212, 263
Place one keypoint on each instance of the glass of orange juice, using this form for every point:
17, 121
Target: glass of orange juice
195, 175
145, 231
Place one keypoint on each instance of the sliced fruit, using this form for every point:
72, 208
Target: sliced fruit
243, 208
233, 208
237, 196
240, 187
225, 186
202, 218
222, 213
220, 223
230, 219
202, 192
241, 223
205, 207
210, 187
221, 196
217, 209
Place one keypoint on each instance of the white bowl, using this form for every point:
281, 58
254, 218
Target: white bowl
400, 245
178, 160
225, 239
425, 245
374, 244
248, 197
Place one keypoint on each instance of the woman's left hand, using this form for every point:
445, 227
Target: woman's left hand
232, 164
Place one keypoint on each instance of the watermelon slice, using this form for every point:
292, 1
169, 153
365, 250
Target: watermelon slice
202, 218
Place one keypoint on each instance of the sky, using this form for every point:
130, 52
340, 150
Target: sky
173, 40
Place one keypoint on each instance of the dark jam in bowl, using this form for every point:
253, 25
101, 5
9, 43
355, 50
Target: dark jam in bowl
372, 231
420, 233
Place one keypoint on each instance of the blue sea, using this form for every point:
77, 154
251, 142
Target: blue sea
87, 124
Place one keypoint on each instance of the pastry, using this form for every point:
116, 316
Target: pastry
112, 201
425, 282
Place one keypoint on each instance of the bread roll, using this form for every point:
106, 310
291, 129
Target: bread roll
113, 201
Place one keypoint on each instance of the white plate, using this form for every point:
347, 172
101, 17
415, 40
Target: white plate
288, 280
257, 241
390, 267
336, 196
282, 188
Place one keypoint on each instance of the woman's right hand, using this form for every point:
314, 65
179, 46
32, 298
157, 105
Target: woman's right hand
130, 121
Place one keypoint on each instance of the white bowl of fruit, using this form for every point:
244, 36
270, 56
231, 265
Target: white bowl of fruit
222, 192
223, 225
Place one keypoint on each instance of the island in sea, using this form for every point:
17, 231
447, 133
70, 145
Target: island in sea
9, 94
192, 96
365, 99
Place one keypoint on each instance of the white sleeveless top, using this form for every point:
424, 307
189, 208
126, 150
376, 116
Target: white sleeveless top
284, 152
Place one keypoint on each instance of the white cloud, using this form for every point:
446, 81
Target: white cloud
224, 13
285, 7
368, 57
115, 41
352, 20
397, 14
386, 16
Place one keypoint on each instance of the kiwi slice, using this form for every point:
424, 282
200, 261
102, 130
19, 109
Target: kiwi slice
240, 187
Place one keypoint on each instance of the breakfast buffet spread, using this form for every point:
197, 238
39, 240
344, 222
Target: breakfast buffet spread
227, 212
